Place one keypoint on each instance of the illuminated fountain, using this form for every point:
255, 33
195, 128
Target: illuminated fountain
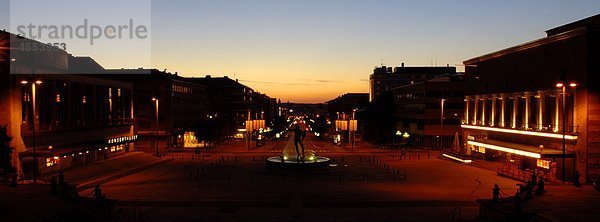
289, 160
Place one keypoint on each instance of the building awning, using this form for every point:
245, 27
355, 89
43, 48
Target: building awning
519, 149
78, 149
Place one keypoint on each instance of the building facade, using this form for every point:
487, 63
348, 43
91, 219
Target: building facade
385, 78
234, 103
178, 105
428, 113
57, 118
536, 106
347, 104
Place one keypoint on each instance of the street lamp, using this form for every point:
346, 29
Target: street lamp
156, 108
442, 101
33, 84
563, 87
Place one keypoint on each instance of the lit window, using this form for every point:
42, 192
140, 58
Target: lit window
543, 163
52, 161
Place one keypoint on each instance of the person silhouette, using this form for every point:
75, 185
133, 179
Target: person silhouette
299, 135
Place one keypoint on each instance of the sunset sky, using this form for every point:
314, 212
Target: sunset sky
313, 51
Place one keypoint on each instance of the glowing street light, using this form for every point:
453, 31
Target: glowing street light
563, 87
156, 107
33, 87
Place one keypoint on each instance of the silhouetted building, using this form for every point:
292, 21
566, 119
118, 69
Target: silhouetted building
182, 106
346, 104
385, 78
419, 113
303, 109
77, 118
230, 100
514, 109
265, 106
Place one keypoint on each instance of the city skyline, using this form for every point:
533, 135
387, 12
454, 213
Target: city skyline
312, 52
281, 110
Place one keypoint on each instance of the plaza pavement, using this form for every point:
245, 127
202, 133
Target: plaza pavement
225, 186
230, 183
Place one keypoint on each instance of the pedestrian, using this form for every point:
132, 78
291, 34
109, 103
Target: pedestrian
528, 192
597, 185
13, 180
540, 190
533, 179
496, 193
53, 185
61, 178
98, 196
518, 206
576, 179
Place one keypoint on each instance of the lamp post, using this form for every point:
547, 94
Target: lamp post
442, 101
563, 87
156, 136
33, 84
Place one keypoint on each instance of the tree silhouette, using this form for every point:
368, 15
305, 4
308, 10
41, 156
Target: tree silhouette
5, 151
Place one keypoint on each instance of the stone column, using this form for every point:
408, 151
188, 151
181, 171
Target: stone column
475, 109
483, 104
502, 110
466, 110
515, 111
493, 112
540, 120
